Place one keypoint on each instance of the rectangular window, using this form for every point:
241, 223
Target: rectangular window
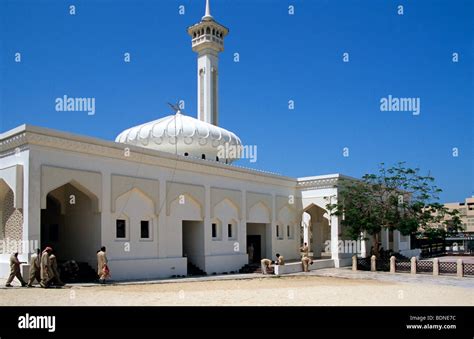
120, 228
144, 229
229, 231
288, 231
214, 231
278, 231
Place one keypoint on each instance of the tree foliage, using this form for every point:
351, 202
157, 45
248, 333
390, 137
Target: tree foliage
396, 198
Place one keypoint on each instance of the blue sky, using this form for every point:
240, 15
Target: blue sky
282, 58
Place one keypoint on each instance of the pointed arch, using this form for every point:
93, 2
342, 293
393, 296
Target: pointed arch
226, 209
186, 207
139, 192
259, 213
88, 183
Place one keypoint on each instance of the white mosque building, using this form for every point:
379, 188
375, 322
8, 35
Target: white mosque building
162, 195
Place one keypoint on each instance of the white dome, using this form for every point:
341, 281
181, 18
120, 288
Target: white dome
184, 135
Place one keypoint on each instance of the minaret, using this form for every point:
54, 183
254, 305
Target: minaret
207, 41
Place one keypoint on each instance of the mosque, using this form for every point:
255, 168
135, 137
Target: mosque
163, 197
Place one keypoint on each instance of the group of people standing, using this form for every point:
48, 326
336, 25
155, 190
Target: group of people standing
306, 260
44, 268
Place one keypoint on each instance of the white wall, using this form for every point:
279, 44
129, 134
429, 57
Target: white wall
164, 251
227, 213
132, 206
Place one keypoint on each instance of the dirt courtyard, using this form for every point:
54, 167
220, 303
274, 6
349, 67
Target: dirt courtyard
274, 291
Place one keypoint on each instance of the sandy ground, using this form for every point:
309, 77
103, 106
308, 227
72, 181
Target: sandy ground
281, 291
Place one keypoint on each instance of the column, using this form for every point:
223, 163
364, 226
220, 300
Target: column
335, 239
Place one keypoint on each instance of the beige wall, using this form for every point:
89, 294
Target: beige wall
466, 210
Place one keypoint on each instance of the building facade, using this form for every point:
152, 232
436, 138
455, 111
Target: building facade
162, 196
466, 213
463, 241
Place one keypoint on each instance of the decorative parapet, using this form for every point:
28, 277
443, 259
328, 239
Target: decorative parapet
322, 181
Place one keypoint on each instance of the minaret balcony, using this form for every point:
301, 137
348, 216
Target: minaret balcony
207, 38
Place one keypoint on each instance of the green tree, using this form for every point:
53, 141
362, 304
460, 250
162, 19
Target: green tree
396, 198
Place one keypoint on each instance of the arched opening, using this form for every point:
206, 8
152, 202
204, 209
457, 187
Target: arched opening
259, 233
316, 230
11, 218
186, 214
71, 225
208, 30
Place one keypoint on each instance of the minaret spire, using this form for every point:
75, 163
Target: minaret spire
208, 41
207, 15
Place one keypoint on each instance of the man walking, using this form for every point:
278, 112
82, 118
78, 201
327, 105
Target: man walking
102, 267
15, 270
46, 274
55, 279
35, 268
